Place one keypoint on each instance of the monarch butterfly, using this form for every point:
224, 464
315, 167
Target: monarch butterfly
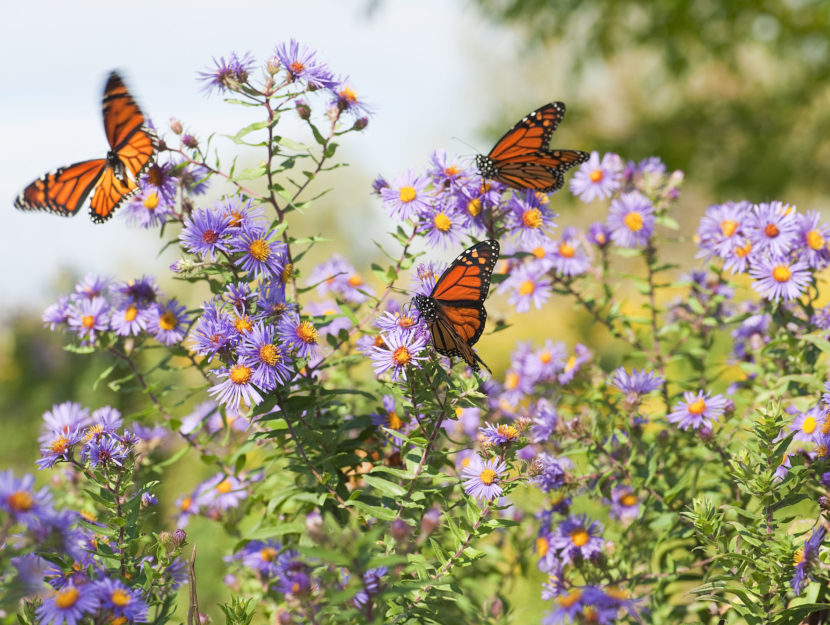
132, 148
521, 158
454, 311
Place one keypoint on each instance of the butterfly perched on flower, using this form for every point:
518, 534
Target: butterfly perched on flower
111, 180
521, 158
454, 310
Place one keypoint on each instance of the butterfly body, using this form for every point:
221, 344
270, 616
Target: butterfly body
454, 311
109, 180
521, 158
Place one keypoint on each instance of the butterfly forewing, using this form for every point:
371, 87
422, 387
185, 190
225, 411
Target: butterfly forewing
532, 133
467, 279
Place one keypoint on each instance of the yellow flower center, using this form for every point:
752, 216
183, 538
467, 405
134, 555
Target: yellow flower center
348, 94
59, 445
570, 364
131, 313
542, 545
743, 251
566, 601
67, 598
697, 407
590, 614
407, 194
287, 272
488, 476
401, 356
184, 506
120, 597
393, 421
168, 321
532, 218
451, 171
236, 218
771, 230
21, 501
545, 357
825, 426
809, 426
297, 67
307, 333
405, 322
118, 620
508, 431
821, 451
442, 222
527, 287
355, 280
269, 354
566, 250
240, 374
267, 554
798, 557
539, 252
151, 201
259, 249
633, 221
511, 380
628, 500
815, 240
88, 321
596, 175
579, 537
224, 486
781, 273
728, 227
474, 207
243, 324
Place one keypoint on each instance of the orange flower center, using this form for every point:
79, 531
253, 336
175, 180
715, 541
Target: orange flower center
697, 407
88, 321
596, 175
307, 333
120, 597
401, 356
511, 380
185, 504
452, 170
566, 250
474, 207
728, 227
539, 252
296, 67
743, 251
21, 501
628, 500
566, 601
59, 445
240, 374
67, 598
771, 230
579, 537
542, 546
527, 287
267, 554
355, 280
545, 357
348, 94
508, 431
224, 486
393, 421
243, 325
532, 218
168, 321
259, 249
269, 354
781, 273
131, 313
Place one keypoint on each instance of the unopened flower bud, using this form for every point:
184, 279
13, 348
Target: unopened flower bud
303, 109
272, 65
495, 607
825, 479
285, 618
431, 521
179, 537
176, 126
189, 141
360, 123
399, 530
314, 525
729, 408
204, 619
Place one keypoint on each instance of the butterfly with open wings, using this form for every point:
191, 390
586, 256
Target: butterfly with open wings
110, 180
521, 158
454, 310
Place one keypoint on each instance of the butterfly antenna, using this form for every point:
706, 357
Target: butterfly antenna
460, 140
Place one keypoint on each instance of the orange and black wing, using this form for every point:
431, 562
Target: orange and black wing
111, 191
126, 128
531, 134
64, 191
467, 280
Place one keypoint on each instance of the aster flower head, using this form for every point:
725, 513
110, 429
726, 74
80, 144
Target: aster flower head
213, 331
262, 556
631, 220
372, 580
147, 209
588, 604
530, 216
624, 503
577, 538
778, 278
635, 384
773, 228
243, 213
298, 335
301, 65
204, 233
389, 419
347, 100
104, 450
262, 254
498, 435
445, 172
92, 286
406, 196
58, 314
482, 478
550, 472
338, 276
121, 601
405, 321
237, 387
805, 559
813, 236
167, 322
227, 75
20, 500
63, 418
598, 234
426, 275
442, 224
160, 178
129, 319
90, 317
806, 425
721, 227
569, 257
580, 356
68, 605
737, 257
545, 420
597, 178
259, 352
697, 410
527, 286
400, 350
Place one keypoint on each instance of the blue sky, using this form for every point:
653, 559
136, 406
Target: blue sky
423, 67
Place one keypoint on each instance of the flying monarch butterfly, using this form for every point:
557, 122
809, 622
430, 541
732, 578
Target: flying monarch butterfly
454, 311
521, 158
114, 178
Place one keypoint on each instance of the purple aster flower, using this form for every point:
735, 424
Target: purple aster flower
129, 320
121, 601
697, 410
237, 387
160, 179
271, 298
474, 203
261, 557
636, 384
267, 360
575, 538
223, 492
813, 236
391, 321
337, 276
772, 228
58, 447
782, 469
68, 606
569, 258
227, 75
346, 99
63, 418
721, 226
406, 196
371, 586
806, 424
518, 384
31, 571
58, 313
482, 478
138, 291
167, 322
780, 279
548, 560
89, 317
400, 350
736, 259
580, 356
20, 501
545, 363
821, 318
806, 558
148, 499
442, 225
526, 287
545, 420
238, 296
104, 450
294, 578
550, 472
213, 331
598, 234
298, 335
631, 220
302, 65
530, 216
204, 233
243, 213
443, 172
624, 503
106, 419
597, 179
91, 287
147, 209
193, 177
262, 255
587, 604
426, 275
498, 435
390, 420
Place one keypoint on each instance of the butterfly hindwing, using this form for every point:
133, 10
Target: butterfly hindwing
109, 194
64, 191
